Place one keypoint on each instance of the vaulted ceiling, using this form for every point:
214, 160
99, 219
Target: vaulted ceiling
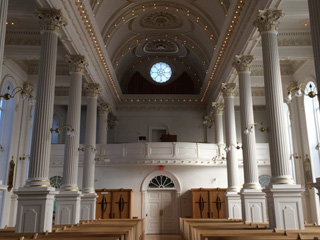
120, 38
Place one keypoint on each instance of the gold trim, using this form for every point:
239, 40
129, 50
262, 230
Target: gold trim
31, 180
38, 186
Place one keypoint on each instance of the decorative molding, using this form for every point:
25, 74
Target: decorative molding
92, 89
161, 20
267, 20
103, 108
50, 19
161, 46
228, 89
218, 107
242, 63
161, 107
76, 63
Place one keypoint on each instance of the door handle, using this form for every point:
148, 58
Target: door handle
161, 212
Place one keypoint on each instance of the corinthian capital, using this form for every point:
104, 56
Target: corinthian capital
227, 89
92, 89
50, 19
76, 63
217, 107
104, 108
242, 63
267, 20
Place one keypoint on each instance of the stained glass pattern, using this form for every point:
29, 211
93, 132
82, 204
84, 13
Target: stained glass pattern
160, 72
264, 180
56, 181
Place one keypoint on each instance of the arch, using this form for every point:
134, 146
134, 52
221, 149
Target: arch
148, 178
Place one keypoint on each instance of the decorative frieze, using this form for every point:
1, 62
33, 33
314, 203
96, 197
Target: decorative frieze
268, 20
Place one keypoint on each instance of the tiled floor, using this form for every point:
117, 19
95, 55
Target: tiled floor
163, 237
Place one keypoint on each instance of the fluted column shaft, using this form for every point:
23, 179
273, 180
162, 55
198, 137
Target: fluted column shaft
71, 153
90, 140
103, 111
242, 64
3, 20
279, 154
219, 128
41, 135
231, 138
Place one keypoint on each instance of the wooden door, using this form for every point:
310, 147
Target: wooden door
200, 203
103, 206
161, 212
217, 203
121, 201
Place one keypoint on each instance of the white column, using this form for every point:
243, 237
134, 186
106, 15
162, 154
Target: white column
88, 200
20, 174
35, 200
68, 200
3, 20
252, 198
283, 196
233, 202
103, 111
218, 120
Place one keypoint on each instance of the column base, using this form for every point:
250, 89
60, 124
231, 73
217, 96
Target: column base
35, 209
67, 207
253, 202
88, 206
285, 206
233, 205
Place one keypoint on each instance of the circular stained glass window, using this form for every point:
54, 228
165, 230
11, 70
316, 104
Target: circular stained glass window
160, 72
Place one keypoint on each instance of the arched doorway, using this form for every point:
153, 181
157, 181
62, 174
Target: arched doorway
160, 202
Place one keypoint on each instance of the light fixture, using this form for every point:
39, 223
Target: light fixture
228, 147
25, 93
299, 91
24, 157
70, 130
84, 148
250, 128
103, 158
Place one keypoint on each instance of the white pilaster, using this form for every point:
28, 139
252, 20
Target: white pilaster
68, 200
283, 196
103, 111
35, 199
233, 202
252, 198
88, 200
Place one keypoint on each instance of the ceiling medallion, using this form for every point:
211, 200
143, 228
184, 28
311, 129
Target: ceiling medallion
161, 46
161, 20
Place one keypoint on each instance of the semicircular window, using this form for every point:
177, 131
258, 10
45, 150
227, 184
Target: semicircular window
160, 72
264, 180
161, 182
56, 181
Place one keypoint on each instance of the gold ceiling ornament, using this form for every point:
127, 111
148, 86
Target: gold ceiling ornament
50, 19
160, 46
161, 20
76, 62
228, 89
268, 20
217, 107
242, 63
92, 89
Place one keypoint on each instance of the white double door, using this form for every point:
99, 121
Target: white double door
162, 212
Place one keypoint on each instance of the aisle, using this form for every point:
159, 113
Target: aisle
163, 237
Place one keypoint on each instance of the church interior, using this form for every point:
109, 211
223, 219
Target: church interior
168, 119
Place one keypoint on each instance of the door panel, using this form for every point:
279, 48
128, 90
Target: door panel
162, 213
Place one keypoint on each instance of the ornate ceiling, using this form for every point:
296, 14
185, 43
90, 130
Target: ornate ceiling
122, 37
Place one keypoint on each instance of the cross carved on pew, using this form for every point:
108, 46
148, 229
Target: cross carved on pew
218, 204
104, 203
201, 203
121, 204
